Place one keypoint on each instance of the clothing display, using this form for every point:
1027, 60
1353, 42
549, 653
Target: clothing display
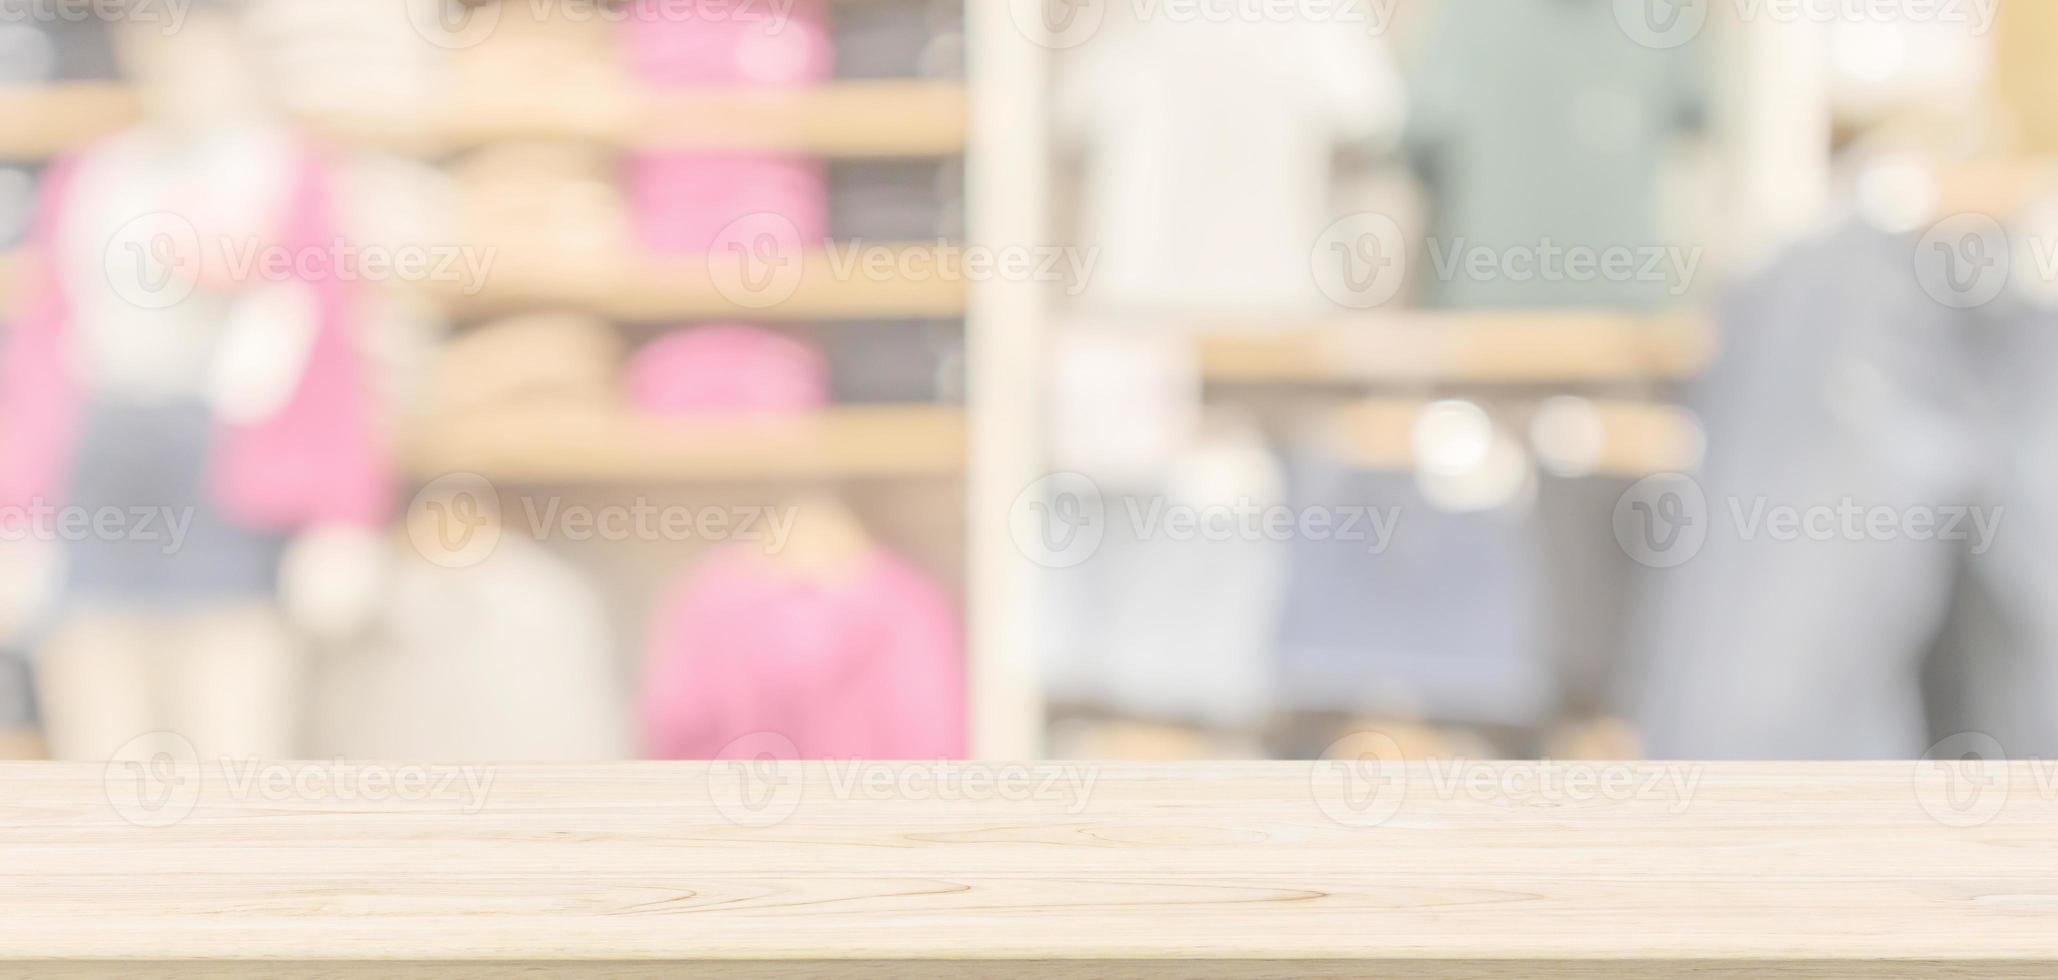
727, 369
536, 196
1588, 591
692, 43
862, 662
538, 358
293, 443
1208, 148
335, 57
896, 200
895, 361
17, 204
17, 694
497, 51
1542, 123
900, 39
1170, 623
1843, 385
185, 552
36, 48
1441, 625
509, 658
713, 202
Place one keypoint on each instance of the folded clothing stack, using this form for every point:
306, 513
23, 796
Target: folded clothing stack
897, 200
538, 358
727, 370
900, 39
529, 197
36, 48
702, 202
692, 202
17, 204
347, 57
712, 43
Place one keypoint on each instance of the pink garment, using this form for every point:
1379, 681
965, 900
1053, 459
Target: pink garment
867, 667
727, 370
681, 43
712, 202
315, 461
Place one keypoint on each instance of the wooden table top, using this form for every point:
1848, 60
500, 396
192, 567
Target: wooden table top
1049, 870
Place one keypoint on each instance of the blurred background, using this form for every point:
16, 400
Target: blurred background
539, 380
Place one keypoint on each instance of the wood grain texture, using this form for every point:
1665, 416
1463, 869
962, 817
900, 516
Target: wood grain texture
1485, 870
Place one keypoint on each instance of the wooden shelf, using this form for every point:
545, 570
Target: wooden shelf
1429, 871
649, 287
844, 119
1635, 439
1479, 348
42, 121
829, 286
604, 445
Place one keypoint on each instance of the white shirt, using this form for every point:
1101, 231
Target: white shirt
1208, 152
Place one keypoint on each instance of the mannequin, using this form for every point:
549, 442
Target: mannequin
151, 371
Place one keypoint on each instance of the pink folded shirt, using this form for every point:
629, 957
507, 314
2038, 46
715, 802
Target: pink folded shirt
684, 43
748, 658
727, 370
690, 202
708, 202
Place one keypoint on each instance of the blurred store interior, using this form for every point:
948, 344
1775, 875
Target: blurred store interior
558, 380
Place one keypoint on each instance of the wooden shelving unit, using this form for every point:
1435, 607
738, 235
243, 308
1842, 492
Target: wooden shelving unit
582, 445
635, 286
42, 121
1459, 347
1637, 439
845, 119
